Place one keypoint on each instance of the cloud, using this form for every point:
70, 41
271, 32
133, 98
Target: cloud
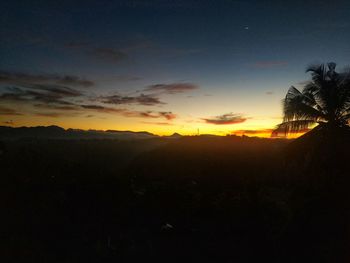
225, 119
146, 100
37, 93
8, 111
20, 78
149, 99
9, 122
57, 107
126, 78
168, 115
108, 54
75, 81
54, 100
172, 88
158, 123
141, 114
269, 92
124, 49
252, 132
100, 108
59, 91
150, 114
49, 114
93, 107
130, 113
41, 88
269, 64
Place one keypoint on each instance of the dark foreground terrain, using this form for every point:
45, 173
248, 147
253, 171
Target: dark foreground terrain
190, 199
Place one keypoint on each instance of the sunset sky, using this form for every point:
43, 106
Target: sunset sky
162, 66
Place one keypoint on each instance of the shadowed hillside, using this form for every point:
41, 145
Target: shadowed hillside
195, 198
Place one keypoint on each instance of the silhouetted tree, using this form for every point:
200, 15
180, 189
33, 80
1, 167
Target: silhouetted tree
324, 100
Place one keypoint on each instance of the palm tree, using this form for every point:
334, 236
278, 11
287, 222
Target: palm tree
325, 100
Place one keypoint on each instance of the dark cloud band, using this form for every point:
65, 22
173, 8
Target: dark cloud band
172, 88
229, 118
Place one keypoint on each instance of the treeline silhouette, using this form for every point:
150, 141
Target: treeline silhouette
199, 199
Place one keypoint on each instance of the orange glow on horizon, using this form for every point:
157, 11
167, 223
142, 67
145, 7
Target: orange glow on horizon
252, 127
160, 130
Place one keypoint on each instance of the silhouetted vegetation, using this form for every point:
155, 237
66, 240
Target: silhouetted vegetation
324, 100
202, 199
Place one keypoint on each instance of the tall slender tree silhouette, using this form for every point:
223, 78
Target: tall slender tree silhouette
324, 100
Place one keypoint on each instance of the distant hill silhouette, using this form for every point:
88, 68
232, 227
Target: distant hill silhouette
55, 132
174, 136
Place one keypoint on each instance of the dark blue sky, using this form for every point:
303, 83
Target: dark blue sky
241, 55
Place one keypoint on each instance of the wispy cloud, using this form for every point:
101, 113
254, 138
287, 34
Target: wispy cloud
150, 114
158, 123
229, 118
146, 100
172, 88
130, 113
168, 115
269, 92
47, 98
100, 108
125, 78
50, 114
130, 48
8, 111
252, 132
53, 101
41, 88
20, 78
57, 107
9, 122
76, 109
108, 54
40, 94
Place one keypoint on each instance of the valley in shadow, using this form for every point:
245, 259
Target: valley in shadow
156, 199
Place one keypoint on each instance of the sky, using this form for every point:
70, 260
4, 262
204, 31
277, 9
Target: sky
162, 66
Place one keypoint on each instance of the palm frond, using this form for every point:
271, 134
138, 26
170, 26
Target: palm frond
326, 98
311, 87
318, 72
294, 126
346, 117
299, 106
